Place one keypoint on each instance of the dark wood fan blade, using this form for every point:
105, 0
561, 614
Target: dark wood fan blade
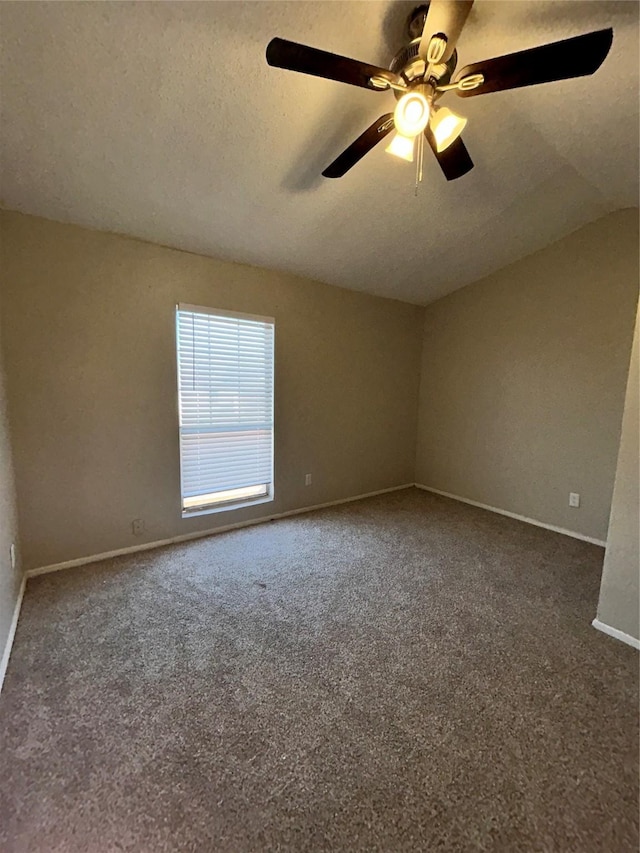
560, 60
454, 160
308, 60
363, 144
447, 17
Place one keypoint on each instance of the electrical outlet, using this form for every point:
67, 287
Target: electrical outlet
307, 479
137, 526
574, 499
12, 552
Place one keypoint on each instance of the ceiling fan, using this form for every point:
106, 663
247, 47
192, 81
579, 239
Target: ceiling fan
422, 72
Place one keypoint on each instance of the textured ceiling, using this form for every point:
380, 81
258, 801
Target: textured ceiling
163, 121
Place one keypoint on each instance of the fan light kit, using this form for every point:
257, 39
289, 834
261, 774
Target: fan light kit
424, 71
411, 114
446, 127
402, 147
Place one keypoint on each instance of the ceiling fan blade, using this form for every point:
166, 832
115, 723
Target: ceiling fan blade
362, 145
560, 60
447, 17
454, 160
308, 60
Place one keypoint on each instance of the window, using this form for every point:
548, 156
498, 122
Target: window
225, 385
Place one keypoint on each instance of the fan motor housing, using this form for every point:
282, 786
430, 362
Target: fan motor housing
408, 64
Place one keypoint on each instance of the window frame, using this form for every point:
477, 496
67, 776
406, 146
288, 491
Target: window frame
241, 503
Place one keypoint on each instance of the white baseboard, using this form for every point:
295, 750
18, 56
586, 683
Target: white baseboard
618, 635
201, 534
12, 632
533, 521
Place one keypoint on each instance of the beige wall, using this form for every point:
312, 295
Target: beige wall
9, 578
523, 379
89, 341
619, 603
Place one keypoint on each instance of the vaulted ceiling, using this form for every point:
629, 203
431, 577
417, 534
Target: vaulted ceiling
163, 121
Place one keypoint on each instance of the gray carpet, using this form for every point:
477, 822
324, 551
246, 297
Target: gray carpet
399, 674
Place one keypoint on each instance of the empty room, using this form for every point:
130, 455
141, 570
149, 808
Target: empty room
319, 426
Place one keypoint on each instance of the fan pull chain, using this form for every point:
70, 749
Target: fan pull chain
419, 158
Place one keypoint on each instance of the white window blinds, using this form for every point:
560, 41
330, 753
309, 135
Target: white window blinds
225, 381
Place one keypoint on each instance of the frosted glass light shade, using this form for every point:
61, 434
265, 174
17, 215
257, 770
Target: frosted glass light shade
411, 114
446, 127
401, 146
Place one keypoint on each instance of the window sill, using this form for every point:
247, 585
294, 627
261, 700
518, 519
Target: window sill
226, 507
